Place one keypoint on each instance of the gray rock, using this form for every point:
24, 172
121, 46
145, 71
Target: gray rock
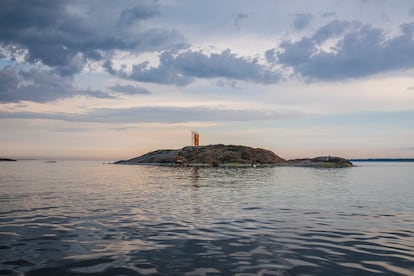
230, 155
213, 155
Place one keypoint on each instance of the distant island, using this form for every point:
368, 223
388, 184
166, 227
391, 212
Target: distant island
230, 156
7, 160
384, 160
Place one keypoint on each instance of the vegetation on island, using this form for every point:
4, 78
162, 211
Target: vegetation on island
230, 155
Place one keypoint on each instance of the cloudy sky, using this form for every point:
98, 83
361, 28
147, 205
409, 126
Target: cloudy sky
111, 80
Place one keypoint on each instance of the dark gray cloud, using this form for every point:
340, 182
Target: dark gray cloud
181, 69
270, 56
361, 50
39, 86
165, 73
302, 20
65, 34
296, 52
129, 89
141, 11
332, 29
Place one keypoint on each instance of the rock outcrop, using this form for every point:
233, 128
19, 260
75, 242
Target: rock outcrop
7, 159
230, 155
214, 155
321, 162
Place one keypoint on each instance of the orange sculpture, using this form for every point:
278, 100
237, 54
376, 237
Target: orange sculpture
195, 138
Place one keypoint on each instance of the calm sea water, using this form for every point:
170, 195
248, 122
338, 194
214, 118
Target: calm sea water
87, 218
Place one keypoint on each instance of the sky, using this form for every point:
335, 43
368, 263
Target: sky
109, 80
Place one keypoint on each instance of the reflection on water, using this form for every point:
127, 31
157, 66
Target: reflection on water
195, 176
85, 218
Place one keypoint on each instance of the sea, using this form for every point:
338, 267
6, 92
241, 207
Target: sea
90, 218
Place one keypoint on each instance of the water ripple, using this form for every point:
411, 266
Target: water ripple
129, 220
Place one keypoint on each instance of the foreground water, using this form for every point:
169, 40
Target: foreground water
86, 218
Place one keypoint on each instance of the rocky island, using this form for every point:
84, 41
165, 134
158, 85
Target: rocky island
7, 160
228, 156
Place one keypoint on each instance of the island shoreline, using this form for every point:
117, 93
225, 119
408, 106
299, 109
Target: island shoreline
228, 156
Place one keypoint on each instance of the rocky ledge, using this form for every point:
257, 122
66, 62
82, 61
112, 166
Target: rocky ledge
321, 162
229, 155
7, 160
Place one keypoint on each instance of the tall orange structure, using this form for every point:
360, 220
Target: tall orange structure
195, 138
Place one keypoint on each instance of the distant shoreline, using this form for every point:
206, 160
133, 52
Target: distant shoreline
383, 160
7, 160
